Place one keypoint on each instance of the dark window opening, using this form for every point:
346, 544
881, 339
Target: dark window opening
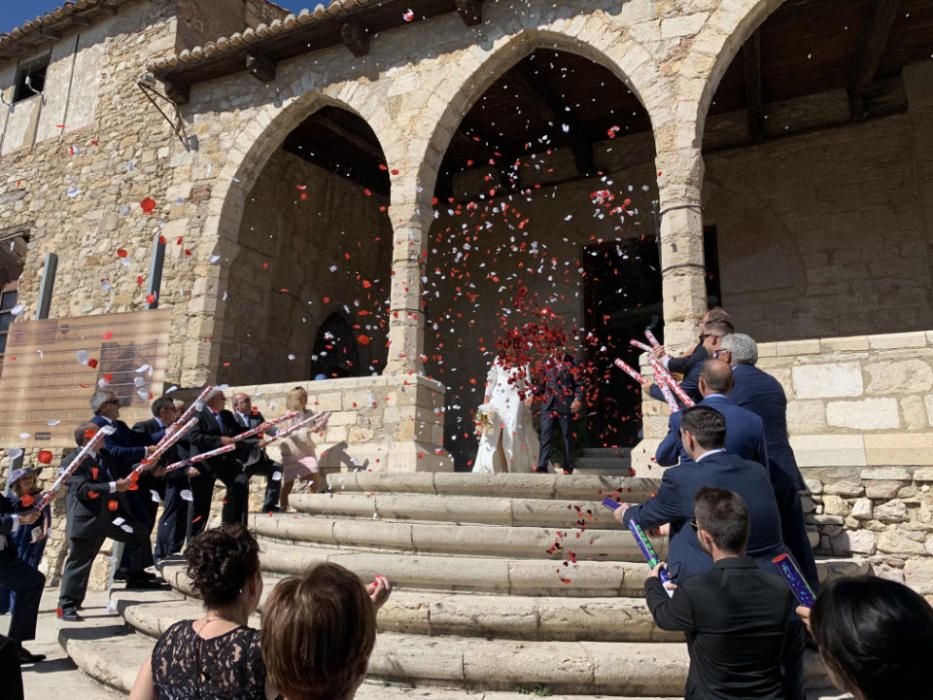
7, 303
711, 261
30, 79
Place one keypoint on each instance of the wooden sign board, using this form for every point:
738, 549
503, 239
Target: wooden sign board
52, 367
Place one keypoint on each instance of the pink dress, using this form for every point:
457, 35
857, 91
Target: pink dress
299, 459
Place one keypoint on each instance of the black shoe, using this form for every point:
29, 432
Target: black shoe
69, 615
540, 471
121, 575
26, 657
138, 583
273, 509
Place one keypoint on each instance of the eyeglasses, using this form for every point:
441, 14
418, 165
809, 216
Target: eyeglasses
693, 524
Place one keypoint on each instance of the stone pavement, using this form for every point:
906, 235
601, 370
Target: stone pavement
57, 678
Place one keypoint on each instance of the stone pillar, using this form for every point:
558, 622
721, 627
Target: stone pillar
406, 316
680, 181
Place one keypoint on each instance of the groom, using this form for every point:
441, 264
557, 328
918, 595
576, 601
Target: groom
561, 398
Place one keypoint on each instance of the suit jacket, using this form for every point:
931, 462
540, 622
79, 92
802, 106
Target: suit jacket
745, 434
7, 510
763, 395
126, 447
205, 436
673, 504
248, 451
89, 497
735, 618
175, 453
688, 366
559, 389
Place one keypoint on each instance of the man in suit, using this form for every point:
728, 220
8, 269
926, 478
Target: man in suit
745, 432
735, 617
97, 509
216, 428
127, 449
715, 324
561, 399
170, 536
254, 458
19, 577
703, 435
763, 395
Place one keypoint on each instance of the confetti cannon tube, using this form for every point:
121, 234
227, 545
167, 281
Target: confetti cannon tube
262, 427
164, 445
669, 397
191, 461
663, 376
647, 550
46, 497
795, 580
651, 339
315, 422
629, 370
193, 408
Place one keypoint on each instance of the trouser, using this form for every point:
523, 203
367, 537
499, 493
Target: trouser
273, 473
794, 532
26, 582
81, 553
792, 662
143, 509
10, 670
31, 555
170, 536
548, 419
199, 510
235, 504
236, 499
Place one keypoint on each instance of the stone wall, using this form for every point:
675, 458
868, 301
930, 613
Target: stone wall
302, 255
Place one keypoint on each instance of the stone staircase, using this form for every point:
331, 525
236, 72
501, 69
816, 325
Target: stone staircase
605, 461
505, 585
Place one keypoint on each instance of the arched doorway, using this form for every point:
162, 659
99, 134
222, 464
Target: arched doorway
817, 178
336, 351
544, 201
314, 245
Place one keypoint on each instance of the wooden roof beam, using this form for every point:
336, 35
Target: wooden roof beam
871, 49
553, 110
355, 37
470, 11
754, 95
350, 137
260, 67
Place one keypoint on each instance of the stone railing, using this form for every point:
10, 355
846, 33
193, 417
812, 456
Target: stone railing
860, 416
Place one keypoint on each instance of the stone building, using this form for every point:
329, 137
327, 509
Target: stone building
295, 192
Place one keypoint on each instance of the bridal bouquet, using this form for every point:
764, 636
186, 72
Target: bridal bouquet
485, 420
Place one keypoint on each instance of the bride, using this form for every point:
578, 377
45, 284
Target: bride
508, 441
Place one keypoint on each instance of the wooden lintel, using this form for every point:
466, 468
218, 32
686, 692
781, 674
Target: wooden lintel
470, 11
179, 93
871, 49
754, 95
260, 67
355, 38
350, 137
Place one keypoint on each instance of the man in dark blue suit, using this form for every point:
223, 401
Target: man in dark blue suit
704, 435
764, 396
561, 399
715, 325
127, 448
745, 434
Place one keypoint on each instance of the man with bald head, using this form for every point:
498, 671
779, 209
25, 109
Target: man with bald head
745, 432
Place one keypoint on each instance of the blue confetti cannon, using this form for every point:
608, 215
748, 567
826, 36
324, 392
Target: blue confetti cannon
795, 580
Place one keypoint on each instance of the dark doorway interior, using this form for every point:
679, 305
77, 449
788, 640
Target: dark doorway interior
336, 353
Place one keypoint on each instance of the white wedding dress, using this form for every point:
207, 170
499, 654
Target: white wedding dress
509, 443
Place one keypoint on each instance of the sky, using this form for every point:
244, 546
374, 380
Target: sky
14, 12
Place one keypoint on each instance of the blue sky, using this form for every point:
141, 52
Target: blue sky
14, 12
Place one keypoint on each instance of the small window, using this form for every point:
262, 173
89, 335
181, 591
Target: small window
30, 79
7, 303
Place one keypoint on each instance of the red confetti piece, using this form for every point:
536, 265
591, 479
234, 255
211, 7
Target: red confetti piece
44, 457
150, 298
139, 280
162, 240
108, 335
121, 253
92, 363
148, 205
112, 505
108, 377
27, 500
363, 339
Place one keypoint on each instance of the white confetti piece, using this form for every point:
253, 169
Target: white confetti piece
155, 496
214, 259
186, 495
142, 368
25, 436
82, 357
171, 389
138, 381
73, 192
18, 309
53, 422
276, 476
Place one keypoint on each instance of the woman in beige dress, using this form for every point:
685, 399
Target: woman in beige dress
299, 457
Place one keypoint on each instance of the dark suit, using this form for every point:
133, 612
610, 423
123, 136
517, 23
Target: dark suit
736, 619
170, 536
688, 366
673, 504
19, 577
255, 460
745, 434
763, 395
92, 512
557, 394
203, 438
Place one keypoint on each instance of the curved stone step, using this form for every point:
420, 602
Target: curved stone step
436, 614
465, 573
573, 487
483, 510
449, 538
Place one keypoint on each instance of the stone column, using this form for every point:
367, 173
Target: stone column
406, 316
680, 181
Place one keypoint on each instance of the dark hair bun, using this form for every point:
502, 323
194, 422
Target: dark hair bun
221, 561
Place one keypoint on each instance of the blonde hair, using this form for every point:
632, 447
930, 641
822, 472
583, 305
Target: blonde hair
318, 631
297, 399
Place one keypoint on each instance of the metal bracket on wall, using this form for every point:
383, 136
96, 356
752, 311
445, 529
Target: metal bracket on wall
147, 84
